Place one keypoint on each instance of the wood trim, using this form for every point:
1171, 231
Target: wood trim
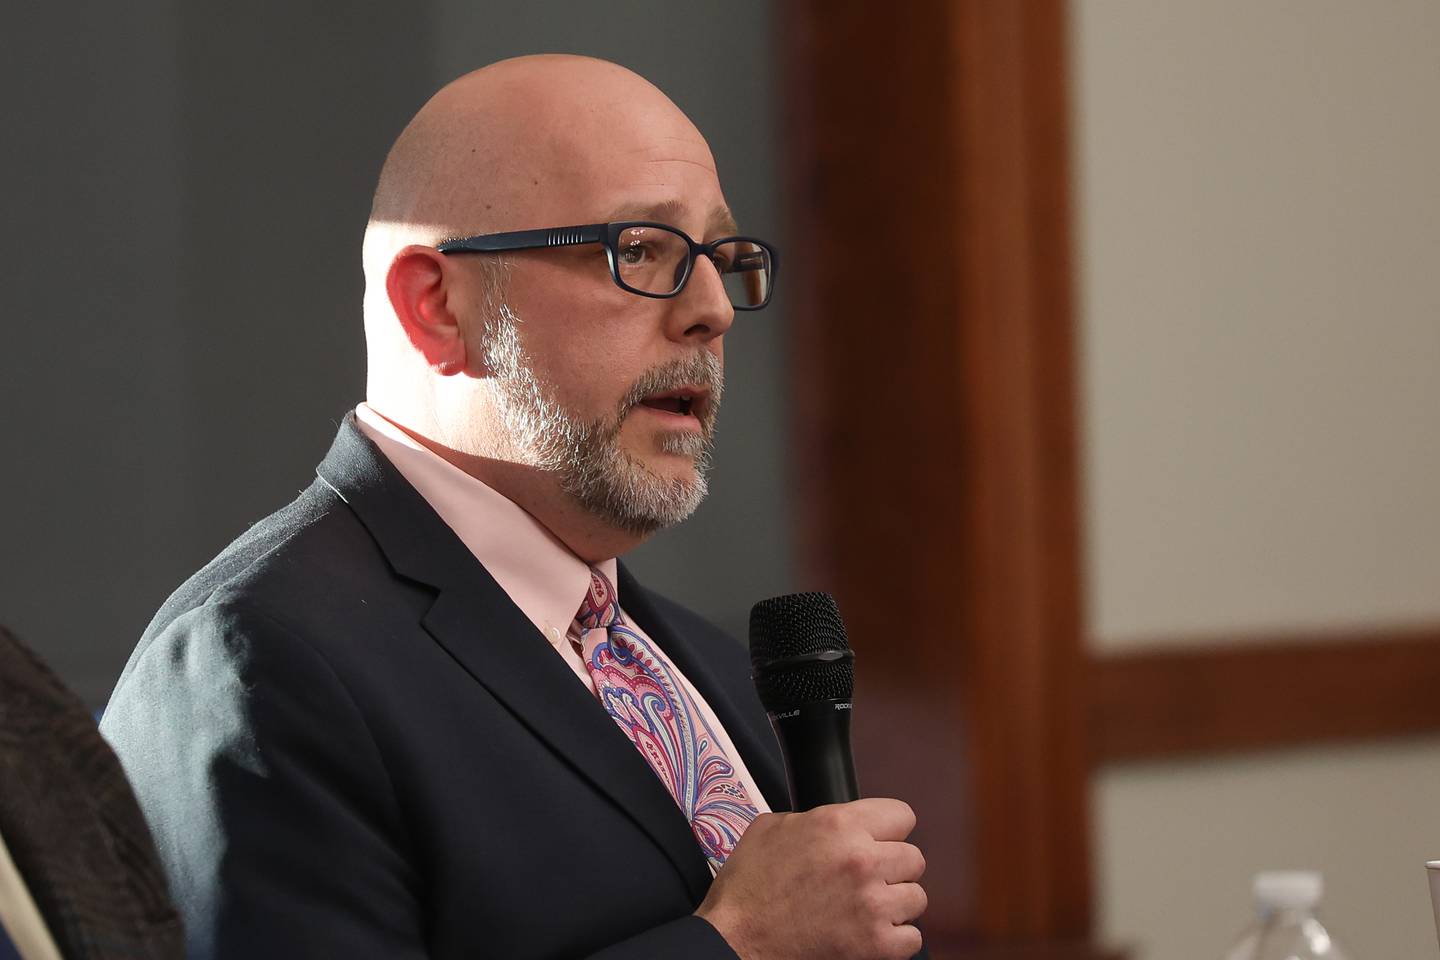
1018, 439
1278, 692
873, 379
928, 296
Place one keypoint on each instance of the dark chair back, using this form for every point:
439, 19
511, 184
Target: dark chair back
72, 825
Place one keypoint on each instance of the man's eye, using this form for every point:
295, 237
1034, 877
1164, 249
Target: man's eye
634, 255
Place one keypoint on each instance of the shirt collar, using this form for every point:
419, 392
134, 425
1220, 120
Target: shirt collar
538, 572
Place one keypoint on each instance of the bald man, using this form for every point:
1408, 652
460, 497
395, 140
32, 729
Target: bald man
422, 711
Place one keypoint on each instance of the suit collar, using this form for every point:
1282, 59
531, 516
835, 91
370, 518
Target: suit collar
415, 541
489, 636
535, 569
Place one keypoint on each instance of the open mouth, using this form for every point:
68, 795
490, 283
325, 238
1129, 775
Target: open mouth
683, 403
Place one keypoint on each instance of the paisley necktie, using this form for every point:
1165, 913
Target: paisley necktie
645, 698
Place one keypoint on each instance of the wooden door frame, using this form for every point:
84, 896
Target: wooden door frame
934, 416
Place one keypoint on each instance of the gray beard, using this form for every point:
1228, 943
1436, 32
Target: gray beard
587, 456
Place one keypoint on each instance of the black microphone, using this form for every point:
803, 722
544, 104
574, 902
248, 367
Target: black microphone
804, 671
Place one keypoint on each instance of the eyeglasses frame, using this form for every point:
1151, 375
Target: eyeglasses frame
608, 234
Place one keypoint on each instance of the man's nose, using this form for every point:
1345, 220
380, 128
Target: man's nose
702, 310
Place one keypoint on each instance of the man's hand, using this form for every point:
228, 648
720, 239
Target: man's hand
837, 882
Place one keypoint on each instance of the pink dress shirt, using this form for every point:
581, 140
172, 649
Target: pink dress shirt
538, 572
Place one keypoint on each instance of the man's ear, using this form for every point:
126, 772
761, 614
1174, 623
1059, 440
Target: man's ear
418, 286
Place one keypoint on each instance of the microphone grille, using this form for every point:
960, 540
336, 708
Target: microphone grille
793, 626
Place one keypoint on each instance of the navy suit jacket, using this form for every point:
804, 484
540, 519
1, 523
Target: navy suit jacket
349, 742
7, 948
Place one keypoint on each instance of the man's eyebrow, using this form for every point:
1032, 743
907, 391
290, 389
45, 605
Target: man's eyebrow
723, 221
720, 222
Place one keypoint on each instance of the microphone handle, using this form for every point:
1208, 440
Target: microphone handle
815, 741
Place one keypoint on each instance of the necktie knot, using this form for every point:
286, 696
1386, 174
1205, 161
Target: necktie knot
599, 609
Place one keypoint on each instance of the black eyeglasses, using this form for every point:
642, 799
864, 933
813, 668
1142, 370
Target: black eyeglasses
651, 259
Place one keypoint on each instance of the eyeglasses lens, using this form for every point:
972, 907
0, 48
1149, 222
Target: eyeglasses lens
651, 259
745, 268
654, 260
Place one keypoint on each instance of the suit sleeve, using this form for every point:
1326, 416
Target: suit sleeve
269, 805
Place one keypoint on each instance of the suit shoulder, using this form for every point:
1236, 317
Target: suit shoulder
314, 547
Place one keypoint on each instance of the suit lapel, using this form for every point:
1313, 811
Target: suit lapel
756, 743
489, 637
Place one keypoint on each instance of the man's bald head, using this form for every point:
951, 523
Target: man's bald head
535, 141
516, 140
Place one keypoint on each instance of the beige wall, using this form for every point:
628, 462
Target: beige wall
1179, 843
1260, 250
1259, 239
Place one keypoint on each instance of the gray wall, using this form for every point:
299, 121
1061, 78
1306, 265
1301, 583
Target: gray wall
187, 191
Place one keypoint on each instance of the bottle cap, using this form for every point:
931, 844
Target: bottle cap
1288, 889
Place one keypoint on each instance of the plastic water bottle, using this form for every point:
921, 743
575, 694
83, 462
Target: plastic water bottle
1286, 929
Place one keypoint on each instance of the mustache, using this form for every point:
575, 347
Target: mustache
701, 369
